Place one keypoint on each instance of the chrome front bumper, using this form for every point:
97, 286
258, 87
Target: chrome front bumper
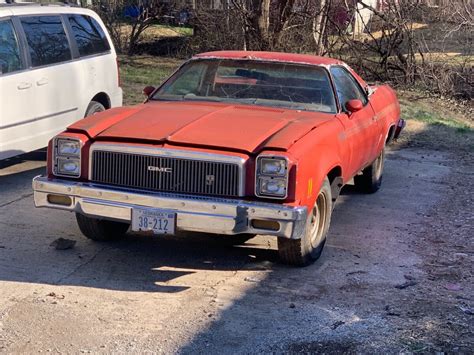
194, 213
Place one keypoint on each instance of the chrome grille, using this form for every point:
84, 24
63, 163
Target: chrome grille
165, 173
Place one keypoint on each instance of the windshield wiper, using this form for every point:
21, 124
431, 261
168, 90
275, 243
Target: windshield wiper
193, 97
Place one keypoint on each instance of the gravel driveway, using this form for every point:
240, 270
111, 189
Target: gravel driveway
396, 275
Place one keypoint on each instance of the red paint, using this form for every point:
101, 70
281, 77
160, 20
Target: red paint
315, 143
271, 56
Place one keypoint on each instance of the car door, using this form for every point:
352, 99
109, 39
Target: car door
360, 127
16, 88
55, 76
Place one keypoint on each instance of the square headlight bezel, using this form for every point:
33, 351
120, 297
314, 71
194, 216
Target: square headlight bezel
259, 174
57, 156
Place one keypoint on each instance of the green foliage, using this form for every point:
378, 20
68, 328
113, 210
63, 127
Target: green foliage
413, 110
139, 71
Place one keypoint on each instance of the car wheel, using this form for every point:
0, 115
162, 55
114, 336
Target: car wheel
93, 108
371, 178
308, 248
101, 230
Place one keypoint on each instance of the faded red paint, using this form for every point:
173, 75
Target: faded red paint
314, 142
271, 56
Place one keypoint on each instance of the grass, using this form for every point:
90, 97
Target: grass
432, 112
139, 71
159, 31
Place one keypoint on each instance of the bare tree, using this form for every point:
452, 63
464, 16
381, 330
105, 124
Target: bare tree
126, 20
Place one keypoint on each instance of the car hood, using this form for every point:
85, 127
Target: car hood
233, 127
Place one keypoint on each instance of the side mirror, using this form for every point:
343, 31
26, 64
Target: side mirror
148, 90
354, 106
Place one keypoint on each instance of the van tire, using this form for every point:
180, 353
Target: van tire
93, 108
101, 230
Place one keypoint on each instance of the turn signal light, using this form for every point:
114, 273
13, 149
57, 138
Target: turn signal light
265, 224
60, 200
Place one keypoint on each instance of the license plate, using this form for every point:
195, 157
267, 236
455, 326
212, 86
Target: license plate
159, 222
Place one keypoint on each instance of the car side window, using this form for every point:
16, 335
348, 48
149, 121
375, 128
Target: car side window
347, 87
192, 77
90, 37
10, 58
47, 40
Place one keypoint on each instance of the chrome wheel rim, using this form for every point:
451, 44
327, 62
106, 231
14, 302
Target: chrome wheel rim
318, 220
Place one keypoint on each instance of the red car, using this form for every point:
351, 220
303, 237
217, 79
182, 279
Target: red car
233, 143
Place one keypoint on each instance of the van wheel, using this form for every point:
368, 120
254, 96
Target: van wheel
101, 230
308, 248
93, 108
371, 178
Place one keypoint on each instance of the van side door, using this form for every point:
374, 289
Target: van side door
16, 91
55, 76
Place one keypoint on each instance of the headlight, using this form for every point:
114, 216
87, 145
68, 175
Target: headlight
269, 166
272, 186
68, 166
67, 147
271, 177
67, 157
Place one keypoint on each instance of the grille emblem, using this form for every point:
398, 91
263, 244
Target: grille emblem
159, 169
210, 180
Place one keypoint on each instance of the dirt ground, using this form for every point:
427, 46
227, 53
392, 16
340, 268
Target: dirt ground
396, 274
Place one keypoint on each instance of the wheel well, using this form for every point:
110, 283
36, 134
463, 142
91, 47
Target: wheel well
391, 132
335, 180
103, 99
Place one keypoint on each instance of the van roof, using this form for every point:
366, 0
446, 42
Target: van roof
21, 8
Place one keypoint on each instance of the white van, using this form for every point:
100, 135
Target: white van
57, 65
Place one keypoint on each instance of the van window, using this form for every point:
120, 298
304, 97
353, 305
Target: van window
47, 40
10, 59
89, 35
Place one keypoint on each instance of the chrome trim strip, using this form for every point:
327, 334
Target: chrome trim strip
38, 118
173, 153
194, 213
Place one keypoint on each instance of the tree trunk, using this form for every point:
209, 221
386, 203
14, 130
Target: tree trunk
285, 10
261, 23
319, 27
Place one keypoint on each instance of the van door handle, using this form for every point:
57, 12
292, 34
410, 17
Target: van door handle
42, 81
24, 86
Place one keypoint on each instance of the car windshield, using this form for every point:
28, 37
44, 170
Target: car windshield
275, 84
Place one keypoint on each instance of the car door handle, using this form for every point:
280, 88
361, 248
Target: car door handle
42, 82
24, 86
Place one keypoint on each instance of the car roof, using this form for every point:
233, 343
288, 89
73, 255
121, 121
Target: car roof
18, 9
271, 56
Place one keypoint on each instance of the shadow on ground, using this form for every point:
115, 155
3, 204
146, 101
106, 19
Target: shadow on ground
347, 301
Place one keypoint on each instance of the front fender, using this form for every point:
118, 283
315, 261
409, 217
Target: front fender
312, 170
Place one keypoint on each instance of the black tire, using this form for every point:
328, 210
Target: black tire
101, 230
307, 249
371, 178
93, 108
